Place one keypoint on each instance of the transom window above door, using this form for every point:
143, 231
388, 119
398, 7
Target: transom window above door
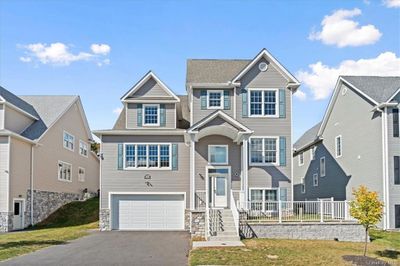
151, 114
218, 154
215, 99
263, 102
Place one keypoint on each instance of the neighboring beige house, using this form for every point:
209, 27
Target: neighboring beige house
44, 148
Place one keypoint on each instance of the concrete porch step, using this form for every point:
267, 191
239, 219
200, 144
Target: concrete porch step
224, 238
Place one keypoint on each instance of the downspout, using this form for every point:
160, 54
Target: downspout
384, 179
32, 163
387, 169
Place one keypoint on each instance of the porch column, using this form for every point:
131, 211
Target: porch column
192, 171
245, 169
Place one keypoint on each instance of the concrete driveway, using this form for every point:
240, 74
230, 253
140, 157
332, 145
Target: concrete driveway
114, 248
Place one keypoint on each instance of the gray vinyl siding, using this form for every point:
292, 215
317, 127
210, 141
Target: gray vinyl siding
393, 150
113, 180
4, 176
1, 116
150, 89
198, 113
131, 116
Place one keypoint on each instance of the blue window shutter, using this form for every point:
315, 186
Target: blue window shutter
174, 156
283, 194
282, 103
245, 106
163, 115
120, 156
227, 100
203, 99
282, 151
139, 114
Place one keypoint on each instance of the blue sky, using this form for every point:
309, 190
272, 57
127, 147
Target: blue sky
135, 36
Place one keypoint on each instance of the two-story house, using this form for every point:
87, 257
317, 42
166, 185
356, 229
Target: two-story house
45, 157
228, 139
357, 143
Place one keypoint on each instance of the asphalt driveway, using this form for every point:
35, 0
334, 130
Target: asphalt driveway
114, 248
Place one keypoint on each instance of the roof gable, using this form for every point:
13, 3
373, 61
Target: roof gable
149, 87
17, 103
218, 116
309, 137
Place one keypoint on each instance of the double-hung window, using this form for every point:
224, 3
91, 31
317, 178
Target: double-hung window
151, 114
315, 180
81, 174
303, 185
264, 199
263, 102
312, 152
215, 99
301, 158
68, 141
396, 123
396, 169
264, 150
338, 146
147, 156
218, 154
64, 171
322, 167
83, 148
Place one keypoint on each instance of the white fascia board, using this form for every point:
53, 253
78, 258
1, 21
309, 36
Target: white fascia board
226, 85
138, 100
138, 132
17, 136
391, 98
149, 75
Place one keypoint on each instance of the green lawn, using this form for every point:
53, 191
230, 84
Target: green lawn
385, 246
69, 222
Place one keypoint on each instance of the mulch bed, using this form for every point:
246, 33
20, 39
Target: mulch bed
364, 260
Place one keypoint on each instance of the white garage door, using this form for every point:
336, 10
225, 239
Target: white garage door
148, 212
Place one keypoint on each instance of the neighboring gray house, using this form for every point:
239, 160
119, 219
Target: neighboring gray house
357, 143
170, 160
44, 148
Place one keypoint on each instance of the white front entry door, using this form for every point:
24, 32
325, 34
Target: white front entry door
18, 218
219, 191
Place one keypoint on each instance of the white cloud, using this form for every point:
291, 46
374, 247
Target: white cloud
301, 95
117, 110
391, 3
59, 54
321, 79
338, 29
102, 49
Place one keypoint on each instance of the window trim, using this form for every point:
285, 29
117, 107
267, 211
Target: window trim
336, 146
263, 151
87, 148
312, 153
264, 189
84, 174
303, 185
221, 99
276, 90
58, 171
320, 166
301, 155
136, 168
144, 114
73, 141
315, 184
218, 145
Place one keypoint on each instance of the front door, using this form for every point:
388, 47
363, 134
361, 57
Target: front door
219, 191
18, 218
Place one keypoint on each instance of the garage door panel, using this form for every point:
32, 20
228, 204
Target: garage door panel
149, 212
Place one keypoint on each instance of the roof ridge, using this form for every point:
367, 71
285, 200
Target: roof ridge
216, 59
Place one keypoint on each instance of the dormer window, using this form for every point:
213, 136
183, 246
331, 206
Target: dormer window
215, 99
151, 114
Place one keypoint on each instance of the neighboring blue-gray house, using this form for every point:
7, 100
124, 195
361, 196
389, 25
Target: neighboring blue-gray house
170, 160
357, 143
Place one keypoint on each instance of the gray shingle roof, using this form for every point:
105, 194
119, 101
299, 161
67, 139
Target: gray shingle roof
49, 109
378, 88
213, 70
307, 138
17, 101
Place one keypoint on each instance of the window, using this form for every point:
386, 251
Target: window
81, 174
322, 169
215, 99
68, 141
218, 154
303, 185
301, 158
151, 114
263, 102
264, 150
397, 170
312, 153
150, 156
315, 180
264, 199
396, 123
64, 171
83, 148
338, 146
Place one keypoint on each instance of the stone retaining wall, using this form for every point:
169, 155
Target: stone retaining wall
104, 220
317, 231
198, 223
5, 222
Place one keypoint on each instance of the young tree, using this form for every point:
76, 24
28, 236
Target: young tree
367, 209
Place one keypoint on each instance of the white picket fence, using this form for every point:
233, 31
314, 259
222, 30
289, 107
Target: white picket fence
295, 211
